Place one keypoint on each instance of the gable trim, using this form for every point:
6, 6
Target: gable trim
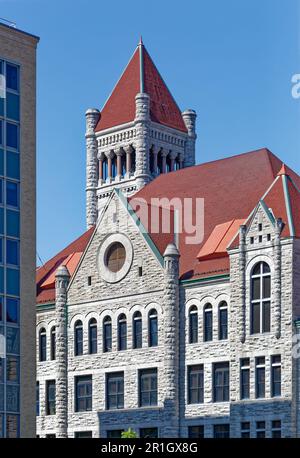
288, 205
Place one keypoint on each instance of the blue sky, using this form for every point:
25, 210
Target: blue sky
230, 60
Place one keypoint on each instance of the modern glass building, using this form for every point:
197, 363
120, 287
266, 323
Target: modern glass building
17, 231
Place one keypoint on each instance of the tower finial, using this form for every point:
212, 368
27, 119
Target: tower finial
141, 51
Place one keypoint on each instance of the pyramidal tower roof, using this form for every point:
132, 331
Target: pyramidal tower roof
140, 75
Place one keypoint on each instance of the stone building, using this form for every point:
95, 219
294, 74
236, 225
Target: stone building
17, 231
171, 331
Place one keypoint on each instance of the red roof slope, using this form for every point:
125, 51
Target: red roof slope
140, 75
231, 189
45, 290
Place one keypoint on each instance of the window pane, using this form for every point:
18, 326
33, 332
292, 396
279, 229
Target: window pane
255, 318
12, 194
245, 384
266, 316
153, 340
196, 432
13, 223
193, 327
221, 431
207, 325
13, 282
12, 310
12, 77
12, 252
12, 398
12, 426
13, 165
12, 340
13, 106
266, 287
1, 162
12, 135
255, 288
12, 369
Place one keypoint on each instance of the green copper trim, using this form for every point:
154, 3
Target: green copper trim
205, 279
268, 213
139, 224
288, 205
41, 307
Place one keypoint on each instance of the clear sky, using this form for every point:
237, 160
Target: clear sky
230, 60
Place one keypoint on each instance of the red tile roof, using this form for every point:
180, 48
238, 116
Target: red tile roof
45, 275
140, 75
218, 241
231, 189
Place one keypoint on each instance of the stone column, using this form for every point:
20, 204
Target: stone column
164, 154
101, 158
242, 263
171, 342
173, 156
277, 277
119, 154
128, 150
142, 146
110, 155
62, 278
92, 117
181, 160
155, 151
189, 117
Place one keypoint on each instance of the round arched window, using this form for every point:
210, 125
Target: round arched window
115, 257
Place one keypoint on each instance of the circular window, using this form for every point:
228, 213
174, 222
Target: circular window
115, 257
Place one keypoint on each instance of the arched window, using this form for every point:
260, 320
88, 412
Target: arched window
53, 343
193, 324
223, 320
122, 332
152, 328
107, 334
260, 298
208, 323
78, 338
92, 336
43, 344
137, 330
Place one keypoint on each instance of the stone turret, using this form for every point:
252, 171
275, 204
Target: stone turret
142, 122
92, 117
171, 341
189, 117
242, 266
62, 279
277, 276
